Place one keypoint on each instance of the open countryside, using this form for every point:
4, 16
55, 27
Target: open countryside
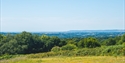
27, 47
62, 31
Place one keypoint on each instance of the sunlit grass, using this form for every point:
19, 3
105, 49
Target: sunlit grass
63, 59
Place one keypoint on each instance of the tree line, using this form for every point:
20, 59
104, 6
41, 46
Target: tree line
26, 43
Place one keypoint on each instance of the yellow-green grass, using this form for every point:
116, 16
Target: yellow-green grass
63, 59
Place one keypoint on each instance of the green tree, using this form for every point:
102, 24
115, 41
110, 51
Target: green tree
122, 40
1, 39
10, 47
1, 36
37, 44
51, 42
71, 41
109, 42
6, 38
91, 42
81, 43
62, 43
55, 41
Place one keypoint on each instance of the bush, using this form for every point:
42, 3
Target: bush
6, 56
114, 50
89, 52
69, 47
55, 49
117, 50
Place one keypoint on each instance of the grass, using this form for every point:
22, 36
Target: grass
64, 59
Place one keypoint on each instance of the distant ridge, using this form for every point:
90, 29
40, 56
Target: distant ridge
115, 30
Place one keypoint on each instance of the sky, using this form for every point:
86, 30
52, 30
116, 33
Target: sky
61, 15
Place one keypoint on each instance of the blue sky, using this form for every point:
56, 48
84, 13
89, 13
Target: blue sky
61, 15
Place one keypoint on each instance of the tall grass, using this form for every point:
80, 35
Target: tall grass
117, 50
105, 54
64, 59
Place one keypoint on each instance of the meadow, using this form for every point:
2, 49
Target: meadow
28, 48
65, 59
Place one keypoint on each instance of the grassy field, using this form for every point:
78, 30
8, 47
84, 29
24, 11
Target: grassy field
63, 59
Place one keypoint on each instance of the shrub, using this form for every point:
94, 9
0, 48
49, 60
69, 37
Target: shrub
69, 47
55, 49
113, 50
6, 56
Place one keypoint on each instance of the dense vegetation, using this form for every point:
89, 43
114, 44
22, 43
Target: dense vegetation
26, 43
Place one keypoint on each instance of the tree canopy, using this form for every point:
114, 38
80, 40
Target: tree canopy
26, 42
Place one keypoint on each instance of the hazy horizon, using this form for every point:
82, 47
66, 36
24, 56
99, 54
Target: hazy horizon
61, 15
70, 30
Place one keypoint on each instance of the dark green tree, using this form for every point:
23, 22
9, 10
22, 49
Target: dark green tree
110, 41
81, 43
122, 40
71, 41
91, 42
62, 43
51, 42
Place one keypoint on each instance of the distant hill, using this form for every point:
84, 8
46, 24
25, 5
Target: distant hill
78, 33
96, 31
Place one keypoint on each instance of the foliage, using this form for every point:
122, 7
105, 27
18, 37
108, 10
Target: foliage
81, 43
55, 49
69, 47
109, 42
6, 56
122, 40
118, 50
92, 43
114, 50
27, 43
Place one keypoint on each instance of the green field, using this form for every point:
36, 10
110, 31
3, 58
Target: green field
64, 59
